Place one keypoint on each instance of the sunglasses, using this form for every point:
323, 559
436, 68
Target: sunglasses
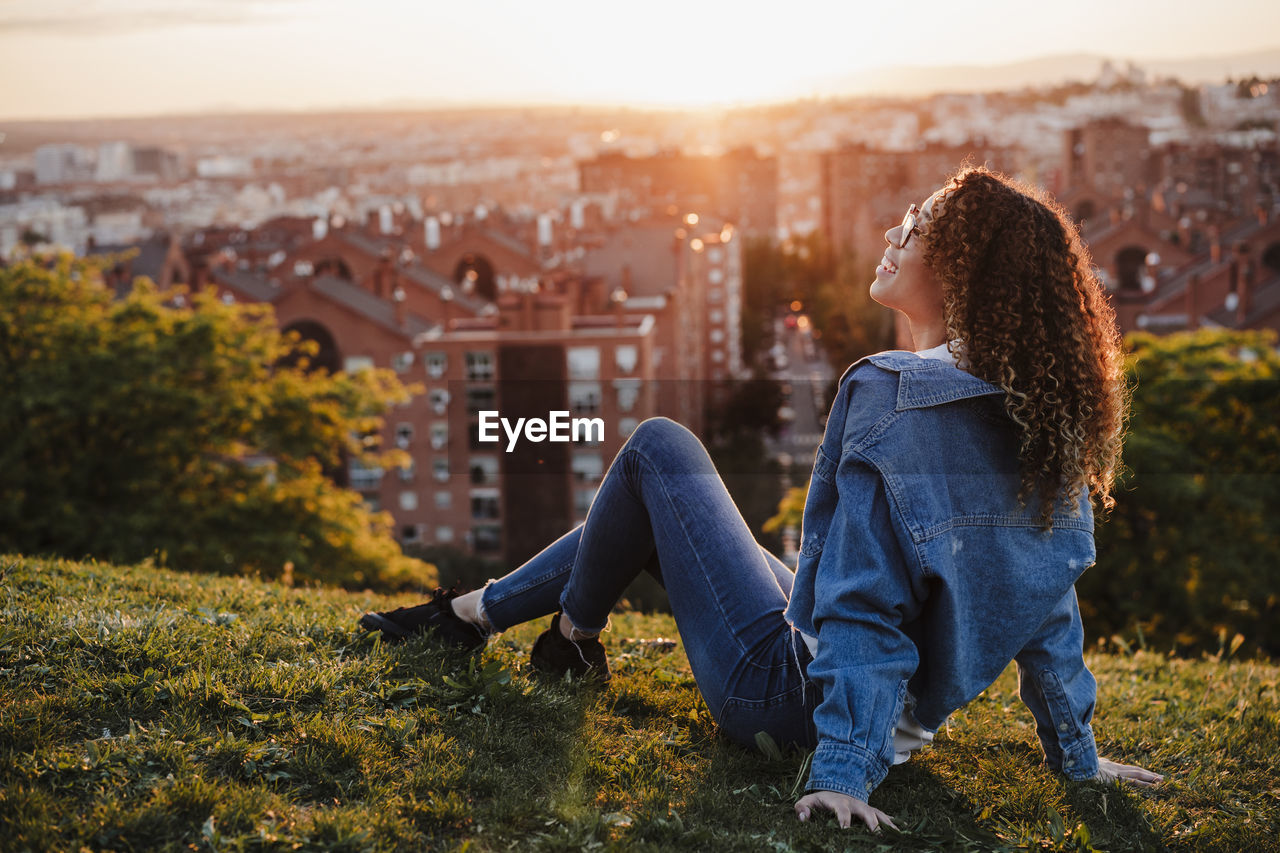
910, 223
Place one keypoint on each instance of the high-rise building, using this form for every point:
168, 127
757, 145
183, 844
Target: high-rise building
62, 163
865, 190
1109, 156
738, 186
115, 162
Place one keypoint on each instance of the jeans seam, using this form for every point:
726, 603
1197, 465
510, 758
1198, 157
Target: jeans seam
772, 702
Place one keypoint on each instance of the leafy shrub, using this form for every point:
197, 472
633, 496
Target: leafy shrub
168, 427
1187, 557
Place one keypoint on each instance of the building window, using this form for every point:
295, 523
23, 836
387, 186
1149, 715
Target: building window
584, 362
587, 467
582, 499
484, 470
439, 399
625, 357
628, 392
589, 436
584, 397
715, 276
486, 538
480, 366
373, 503
411, 533
363, 478
715, 315
437, 364
357, 363
480, 399
407, 471
409, 501
715, 254
444, 533
626, 426
439, 435
402, 361
717, 355
484, 506
404, 435
717, 336
440, 468
444, 500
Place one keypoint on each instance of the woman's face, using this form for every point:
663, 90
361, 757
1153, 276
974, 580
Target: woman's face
903, 282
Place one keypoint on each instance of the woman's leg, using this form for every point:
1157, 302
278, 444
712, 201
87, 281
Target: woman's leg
534, 588
663, 499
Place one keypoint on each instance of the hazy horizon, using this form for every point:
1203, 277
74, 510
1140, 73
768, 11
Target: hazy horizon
133, 58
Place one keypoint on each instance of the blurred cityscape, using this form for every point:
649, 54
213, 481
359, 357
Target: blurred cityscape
592, 260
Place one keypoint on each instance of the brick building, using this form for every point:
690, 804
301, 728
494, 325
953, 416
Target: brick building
1107, 156
1184, 234
688, 274
738, 186
512, 338
866, 190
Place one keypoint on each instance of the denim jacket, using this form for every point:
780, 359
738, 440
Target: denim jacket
922, 578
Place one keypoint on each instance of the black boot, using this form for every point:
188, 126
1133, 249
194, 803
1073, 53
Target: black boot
555, 655
435, 616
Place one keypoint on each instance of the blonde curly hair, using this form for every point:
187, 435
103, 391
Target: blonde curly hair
1021, 294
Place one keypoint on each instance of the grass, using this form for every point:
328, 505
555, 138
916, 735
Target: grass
147, 710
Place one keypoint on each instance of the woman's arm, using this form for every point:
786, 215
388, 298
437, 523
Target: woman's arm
1061, 692
864, 659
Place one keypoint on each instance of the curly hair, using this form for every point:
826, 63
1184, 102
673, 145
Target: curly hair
1020, 293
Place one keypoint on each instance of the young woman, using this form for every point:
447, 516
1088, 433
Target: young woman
947, 520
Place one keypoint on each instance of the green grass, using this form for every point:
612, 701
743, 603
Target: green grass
143, 709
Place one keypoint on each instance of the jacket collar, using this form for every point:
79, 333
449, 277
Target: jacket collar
924, 382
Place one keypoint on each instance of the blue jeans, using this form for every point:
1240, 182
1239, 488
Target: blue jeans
662, 507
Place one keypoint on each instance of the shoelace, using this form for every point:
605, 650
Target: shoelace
577, 648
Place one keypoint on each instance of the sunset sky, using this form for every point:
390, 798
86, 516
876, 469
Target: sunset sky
62, 58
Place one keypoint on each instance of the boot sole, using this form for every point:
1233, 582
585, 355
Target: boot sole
376, 622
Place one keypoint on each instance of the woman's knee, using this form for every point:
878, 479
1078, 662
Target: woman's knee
668, 445
661, 431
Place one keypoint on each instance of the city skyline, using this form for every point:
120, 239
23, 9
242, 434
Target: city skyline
144, 57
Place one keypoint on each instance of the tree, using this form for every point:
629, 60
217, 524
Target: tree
166, 427
833, 290
850, 324
1187, 555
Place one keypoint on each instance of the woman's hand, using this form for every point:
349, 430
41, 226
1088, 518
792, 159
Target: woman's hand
845, 807
1110, 771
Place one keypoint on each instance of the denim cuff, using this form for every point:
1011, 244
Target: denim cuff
569, 607
845, 768
1080, 759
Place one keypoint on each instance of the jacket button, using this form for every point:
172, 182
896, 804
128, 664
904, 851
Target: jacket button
1063, 727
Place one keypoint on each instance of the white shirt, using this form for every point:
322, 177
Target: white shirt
956, 357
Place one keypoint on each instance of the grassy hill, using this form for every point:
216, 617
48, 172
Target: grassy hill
143, 709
